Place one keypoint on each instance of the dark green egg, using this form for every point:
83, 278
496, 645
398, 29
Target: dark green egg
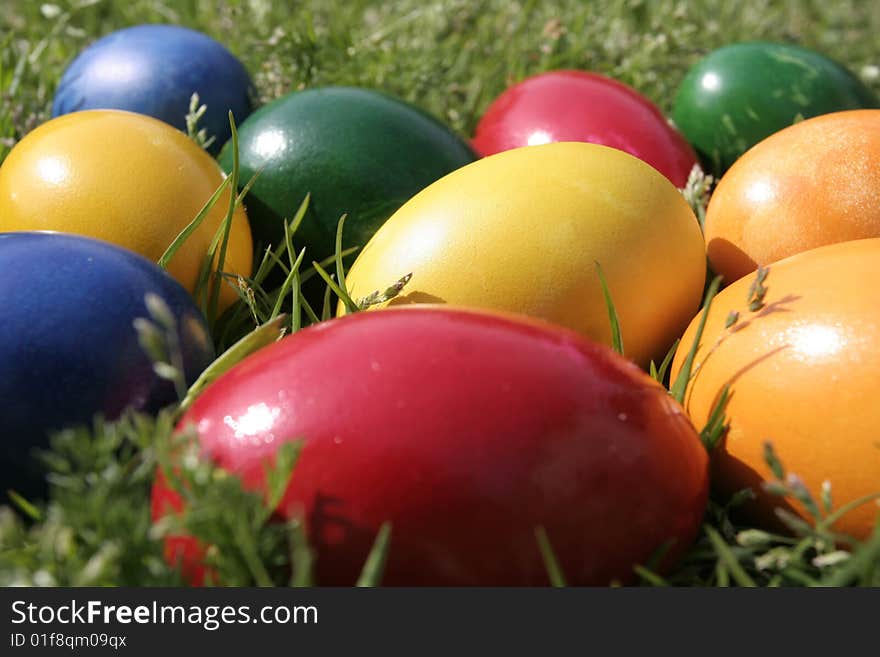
358, 152
740, 94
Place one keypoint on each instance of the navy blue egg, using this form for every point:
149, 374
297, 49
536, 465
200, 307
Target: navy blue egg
154, 70
68, 347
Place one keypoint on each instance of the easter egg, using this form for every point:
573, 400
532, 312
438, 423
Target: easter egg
466, 431
741, 93
522, 231
356, 151
68, 346
804, 372
154, 70
123, 178
582, 106
812, 184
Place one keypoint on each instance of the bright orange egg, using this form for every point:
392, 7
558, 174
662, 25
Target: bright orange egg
814, 183
123, 178
804, 373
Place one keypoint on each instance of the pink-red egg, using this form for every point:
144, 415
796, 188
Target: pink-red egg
466, 431
583, 106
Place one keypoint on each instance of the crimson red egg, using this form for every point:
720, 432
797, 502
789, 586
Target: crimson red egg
582, 106
466, 431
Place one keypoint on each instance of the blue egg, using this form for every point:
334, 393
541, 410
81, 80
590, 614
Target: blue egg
154, 70
68, 346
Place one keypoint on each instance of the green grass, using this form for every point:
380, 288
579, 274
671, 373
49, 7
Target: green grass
451, 58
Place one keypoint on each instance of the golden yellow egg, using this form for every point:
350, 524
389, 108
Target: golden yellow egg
124, 178
522, 231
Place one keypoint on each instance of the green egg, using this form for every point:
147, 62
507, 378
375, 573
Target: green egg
358, 152
740, 94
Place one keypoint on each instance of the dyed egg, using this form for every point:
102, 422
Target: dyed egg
522, 231
123, 178
358, 152
581, 106
154, 70
466, 431
68, 347
815, 183
740, 94
804, 373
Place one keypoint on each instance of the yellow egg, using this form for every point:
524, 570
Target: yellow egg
522, 232
124, 178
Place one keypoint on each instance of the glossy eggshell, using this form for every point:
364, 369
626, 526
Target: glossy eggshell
124, 178
582, 106
815, 183
358, 152
68, 347
465, 431
804, 373
154, 70
741, 93
521, 231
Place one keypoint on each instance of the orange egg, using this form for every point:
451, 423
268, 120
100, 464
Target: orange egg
804, 373
123, 178
814, 183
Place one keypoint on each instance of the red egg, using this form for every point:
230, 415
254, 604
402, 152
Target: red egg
581, 106
466, 431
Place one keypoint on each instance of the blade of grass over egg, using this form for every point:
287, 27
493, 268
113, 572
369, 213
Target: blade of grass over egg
837, 514
302, 559
350, 304
327, 309
650, 577
192, 226
551, 563
260, 337
659, 375
278, 475
684, 376
332, 285
290, 283
310, 272
716, 425
374, 567
616, 336
272, 256
226, 227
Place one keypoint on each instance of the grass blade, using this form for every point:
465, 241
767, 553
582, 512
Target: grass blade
192, 226
551, 563
727, 560
684, 375
257, 339
616, 336
374, 567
